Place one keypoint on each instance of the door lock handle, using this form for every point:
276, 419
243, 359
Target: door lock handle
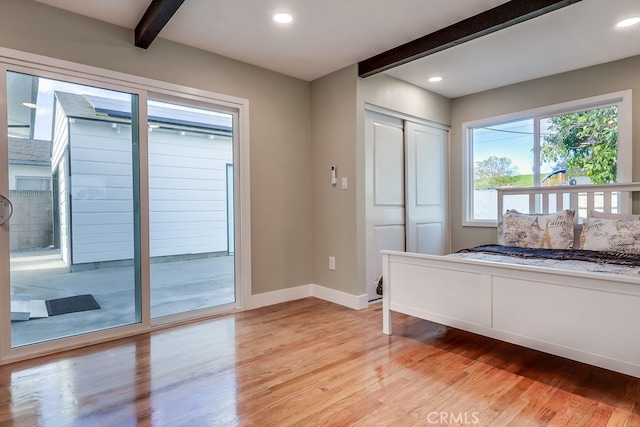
6, 209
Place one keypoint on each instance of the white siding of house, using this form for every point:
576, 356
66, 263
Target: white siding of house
60, 136
101, 191
188, 198
63, 197
188, 193
59, 163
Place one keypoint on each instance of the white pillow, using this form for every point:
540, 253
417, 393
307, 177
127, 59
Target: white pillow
597, 214
600, 234
552, 231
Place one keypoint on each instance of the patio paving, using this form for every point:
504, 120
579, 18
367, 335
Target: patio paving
176, 287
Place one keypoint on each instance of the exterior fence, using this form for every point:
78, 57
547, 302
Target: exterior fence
32, 222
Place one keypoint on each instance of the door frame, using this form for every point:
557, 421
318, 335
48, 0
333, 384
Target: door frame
395, 116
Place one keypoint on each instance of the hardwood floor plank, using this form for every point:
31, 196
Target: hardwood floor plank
312, 363
618, 418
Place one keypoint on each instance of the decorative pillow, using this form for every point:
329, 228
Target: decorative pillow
599, 234
553, 231
596, 214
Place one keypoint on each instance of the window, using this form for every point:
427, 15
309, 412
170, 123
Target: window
582, 142
33, 183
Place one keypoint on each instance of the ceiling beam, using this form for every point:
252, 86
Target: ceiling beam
154, 19
489, 21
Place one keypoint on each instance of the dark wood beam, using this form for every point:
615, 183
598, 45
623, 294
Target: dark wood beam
154, 19
489, 21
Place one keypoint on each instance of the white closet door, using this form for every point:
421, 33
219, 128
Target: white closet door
384, 175
427, 223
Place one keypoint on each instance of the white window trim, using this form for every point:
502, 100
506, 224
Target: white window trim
625, 144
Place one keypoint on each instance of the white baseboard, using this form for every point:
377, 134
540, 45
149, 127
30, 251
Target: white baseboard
276, 297
356, 302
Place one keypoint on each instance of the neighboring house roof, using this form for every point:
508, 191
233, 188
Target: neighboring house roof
29, 152
76, 106
119, 111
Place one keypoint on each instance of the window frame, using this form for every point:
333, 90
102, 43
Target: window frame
27, 178
621, 99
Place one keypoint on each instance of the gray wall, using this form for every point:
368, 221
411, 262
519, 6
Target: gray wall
280, 118
334, 113
597, 80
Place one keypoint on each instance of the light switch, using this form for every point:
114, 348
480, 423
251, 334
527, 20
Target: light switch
344, 182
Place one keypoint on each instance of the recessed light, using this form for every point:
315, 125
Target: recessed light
154, 126
435, 79
629, 22
29, 104
282, 18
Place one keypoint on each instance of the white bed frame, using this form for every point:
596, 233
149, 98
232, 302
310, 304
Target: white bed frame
589, 317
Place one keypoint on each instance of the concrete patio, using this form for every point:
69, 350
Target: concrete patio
176, 287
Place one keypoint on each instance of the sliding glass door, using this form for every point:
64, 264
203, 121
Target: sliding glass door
74, 233
191, 199
119, 210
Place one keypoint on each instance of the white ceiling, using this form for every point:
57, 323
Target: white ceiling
328, 35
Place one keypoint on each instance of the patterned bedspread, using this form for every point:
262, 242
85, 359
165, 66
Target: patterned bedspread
567, 259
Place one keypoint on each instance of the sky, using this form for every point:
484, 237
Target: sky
513, 140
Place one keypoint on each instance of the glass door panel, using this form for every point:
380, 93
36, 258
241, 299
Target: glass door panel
191, 237
73, 235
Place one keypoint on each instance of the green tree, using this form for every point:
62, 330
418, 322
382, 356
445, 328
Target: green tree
584, 143
494, 172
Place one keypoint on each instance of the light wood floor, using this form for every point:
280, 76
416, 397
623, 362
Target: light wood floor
309, 363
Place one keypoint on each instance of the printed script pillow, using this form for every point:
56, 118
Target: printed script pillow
553, 231
600, 234
596, 214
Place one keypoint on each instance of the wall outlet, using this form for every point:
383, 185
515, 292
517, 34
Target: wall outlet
332, 263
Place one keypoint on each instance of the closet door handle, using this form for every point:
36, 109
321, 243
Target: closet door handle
6, 209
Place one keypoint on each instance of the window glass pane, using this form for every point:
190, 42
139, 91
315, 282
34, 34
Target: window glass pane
580, 148
191, 227
503, 155
31, 183
72, 235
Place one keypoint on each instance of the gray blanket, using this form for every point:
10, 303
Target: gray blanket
599, 257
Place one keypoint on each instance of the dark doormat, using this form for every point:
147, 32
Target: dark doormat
71, 304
